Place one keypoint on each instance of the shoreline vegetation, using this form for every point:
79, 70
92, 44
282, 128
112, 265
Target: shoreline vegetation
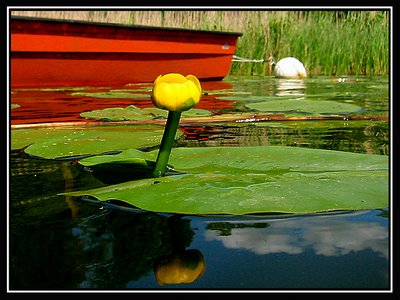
327, 42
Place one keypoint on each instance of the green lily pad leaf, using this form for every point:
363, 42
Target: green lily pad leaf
196, 112
246, 180
64, 142
155, 112
112, 94
227, 92
162, 113
130, 112
63, 89
132, 156
128, 165
133, 113
246, 98
308, 106
56, 89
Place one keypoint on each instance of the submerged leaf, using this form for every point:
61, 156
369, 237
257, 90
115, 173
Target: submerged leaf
245, 180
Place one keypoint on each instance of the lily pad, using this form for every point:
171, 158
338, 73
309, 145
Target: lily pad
112, 94
64, 142
307, 106
191, 113
130, 112
227, 92
55, 89
246, 180
133, 113
246, 98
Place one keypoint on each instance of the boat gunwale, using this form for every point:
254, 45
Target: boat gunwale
122, 26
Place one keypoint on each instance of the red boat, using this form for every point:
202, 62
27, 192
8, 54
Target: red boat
57, 53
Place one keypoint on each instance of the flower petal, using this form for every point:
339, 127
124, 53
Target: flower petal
175, 92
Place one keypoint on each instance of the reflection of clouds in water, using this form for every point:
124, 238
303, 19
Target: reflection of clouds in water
340, 238
325, 236
260, 241
290, 87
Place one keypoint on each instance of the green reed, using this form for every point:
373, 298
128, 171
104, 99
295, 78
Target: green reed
329, 42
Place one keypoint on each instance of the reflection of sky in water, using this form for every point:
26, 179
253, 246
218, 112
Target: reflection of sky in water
325, 235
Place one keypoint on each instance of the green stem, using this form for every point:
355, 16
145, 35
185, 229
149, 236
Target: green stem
166, 143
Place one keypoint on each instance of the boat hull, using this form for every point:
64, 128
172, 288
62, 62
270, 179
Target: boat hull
69, 53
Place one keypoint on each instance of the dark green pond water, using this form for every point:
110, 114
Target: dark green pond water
59, 243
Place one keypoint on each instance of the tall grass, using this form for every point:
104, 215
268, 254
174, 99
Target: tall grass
329, 42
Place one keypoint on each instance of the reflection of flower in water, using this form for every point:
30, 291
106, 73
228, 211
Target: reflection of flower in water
182, 267
118, 247
326, 236
290, 87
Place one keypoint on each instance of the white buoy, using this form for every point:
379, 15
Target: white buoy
288, 67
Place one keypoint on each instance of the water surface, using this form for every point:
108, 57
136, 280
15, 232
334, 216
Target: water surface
65, 243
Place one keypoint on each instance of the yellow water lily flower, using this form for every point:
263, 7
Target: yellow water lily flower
175, 92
